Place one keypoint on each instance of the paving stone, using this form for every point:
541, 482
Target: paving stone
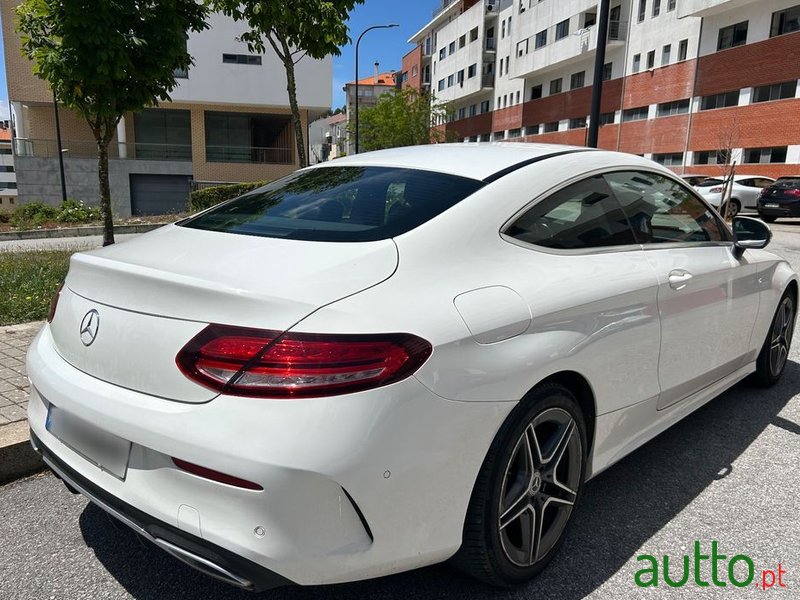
13, 413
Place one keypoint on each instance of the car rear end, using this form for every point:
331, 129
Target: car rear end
175, 386
781, 199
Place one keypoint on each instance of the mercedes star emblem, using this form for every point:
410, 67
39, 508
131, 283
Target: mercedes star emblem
89, 327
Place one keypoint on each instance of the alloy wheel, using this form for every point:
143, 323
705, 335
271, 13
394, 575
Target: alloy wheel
781, 337
539, 487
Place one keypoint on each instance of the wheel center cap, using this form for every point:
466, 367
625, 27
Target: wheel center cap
536, 483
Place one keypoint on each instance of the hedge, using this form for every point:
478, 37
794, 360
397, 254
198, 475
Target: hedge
202, 199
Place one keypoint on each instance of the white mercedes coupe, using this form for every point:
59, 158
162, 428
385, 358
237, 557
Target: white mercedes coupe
398, 358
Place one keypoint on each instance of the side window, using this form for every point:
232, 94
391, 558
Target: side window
582, 215
762, 183
662, 210
747, 182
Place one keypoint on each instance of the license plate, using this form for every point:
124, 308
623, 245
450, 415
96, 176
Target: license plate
99, 447
771, 205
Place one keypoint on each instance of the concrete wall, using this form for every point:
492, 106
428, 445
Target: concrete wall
38, 179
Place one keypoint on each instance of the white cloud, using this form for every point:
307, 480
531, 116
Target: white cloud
4, 112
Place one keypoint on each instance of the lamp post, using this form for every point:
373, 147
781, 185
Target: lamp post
60, 151
599, 62
357, 43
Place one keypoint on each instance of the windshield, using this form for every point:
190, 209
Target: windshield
339, 204
787, 182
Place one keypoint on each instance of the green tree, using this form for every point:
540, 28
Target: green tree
402, 118
294, 29
104, 59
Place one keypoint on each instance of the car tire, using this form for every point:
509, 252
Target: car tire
768, 218
535, 467
774, 353
735, 207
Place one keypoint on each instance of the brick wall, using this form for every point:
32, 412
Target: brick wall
571, 104
770, 61
673, 82
752, 126
666, 134
22, 83
477, 125
507, 118
411, 60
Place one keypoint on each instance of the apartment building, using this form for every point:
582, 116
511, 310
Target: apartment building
327, 138
8, 176
228, 121
369, 90
685, 81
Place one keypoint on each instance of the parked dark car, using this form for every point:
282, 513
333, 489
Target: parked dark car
781, 199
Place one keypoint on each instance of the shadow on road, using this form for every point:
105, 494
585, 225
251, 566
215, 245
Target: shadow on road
620, 510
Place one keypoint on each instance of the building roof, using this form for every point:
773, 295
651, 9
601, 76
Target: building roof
382, 79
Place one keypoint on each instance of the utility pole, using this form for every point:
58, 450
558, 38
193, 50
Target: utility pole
60, 151
599, 63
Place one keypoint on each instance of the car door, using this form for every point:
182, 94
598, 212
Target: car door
707, 297
590, 289
747, 191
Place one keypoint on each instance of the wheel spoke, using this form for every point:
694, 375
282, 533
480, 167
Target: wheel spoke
515, 510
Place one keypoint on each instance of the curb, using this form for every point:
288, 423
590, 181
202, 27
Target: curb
64, 232
17, 456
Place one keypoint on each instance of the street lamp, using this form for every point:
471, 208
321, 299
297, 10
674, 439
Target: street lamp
357, 43
60, 150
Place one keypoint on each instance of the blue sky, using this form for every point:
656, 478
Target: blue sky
387, 46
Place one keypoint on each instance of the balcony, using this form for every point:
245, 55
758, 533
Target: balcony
43, 148
581, 44
487, 81
490, 45
707, 8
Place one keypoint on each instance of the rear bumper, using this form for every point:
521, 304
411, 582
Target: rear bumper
783, 210
192, 550
354, 487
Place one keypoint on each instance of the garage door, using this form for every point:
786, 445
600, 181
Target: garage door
159, 194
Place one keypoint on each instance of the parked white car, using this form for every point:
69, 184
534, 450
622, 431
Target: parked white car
398, 358
744, 195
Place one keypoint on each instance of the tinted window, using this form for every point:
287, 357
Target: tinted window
582, 215
662, 210
339, 204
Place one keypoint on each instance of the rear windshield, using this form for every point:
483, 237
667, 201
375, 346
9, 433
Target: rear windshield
339, 204
787, 182
709, 182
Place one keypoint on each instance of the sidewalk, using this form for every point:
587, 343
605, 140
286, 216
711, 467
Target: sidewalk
17, 458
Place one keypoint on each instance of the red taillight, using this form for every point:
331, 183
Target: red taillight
716, 190
207, 473
795, 192
268, 364
54, 303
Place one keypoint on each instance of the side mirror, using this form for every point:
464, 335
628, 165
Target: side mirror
750, 233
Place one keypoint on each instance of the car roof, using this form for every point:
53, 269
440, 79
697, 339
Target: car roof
473, 160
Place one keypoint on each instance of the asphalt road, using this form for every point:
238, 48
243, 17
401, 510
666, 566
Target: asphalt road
729, 473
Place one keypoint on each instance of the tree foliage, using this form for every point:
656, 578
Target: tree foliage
399, 119
295, 29
104, 59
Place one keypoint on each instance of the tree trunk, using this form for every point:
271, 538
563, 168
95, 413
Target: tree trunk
297, 122
105, 192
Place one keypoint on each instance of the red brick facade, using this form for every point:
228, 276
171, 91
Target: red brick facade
412, 68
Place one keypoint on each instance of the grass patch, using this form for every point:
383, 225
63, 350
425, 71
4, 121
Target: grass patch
28, 280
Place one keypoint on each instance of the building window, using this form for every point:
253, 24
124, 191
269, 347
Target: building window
562, 29
665, 54
462, 41
536, 92
671, 5
503, 29
551, 127
778, 91
517, 102
541, 39
651, 59
507, 65
462, 113
708, 157
460, 77
6, 169
577, 123
720, 100
732, 36
505, 100
241, 59
473, 34
441, 85
683, 49
607, 69
163, 134
522, 47
514, 133
785, 21
642, 10
473, 110
765, 155
485, 106
450, 80
472, 71
671, 159
442, 53
678, 107
656, 7
249, 138
501, 67
451, 49
635, 114
414, 71
8, 185
577, 80
607, 118
555, 86
637, 63
532, 130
